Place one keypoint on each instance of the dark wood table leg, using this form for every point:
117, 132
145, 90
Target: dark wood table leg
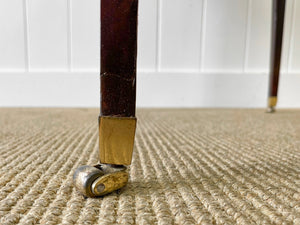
117, 121
118, 57
118, 80
276, 47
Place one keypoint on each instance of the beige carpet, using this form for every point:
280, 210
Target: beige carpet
199, 166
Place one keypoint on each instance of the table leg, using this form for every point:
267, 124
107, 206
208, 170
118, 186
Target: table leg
117, 121
276, 47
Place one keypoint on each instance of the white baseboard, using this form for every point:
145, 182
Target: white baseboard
54, 89
162, 89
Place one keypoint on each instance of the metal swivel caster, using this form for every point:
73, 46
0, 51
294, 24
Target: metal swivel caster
99, 180
271, 109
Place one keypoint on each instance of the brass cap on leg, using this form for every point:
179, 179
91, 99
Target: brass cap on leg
272, 101
116, 139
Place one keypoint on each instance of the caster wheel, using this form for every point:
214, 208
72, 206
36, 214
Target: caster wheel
99, 180
271, 109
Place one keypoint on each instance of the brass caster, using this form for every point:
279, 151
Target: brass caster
272, 102
99, 180
271, 109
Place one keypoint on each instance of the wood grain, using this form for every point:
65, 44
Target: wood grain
118, 57
276, 45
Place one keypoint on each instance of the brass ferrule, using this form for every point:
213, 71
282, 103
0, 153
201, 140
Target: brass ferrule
272, 101
116, 139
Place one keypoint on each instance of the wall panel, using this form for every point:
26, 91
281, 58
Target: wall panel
85, 34
147, 35
12, 41
225, 35
295, 41
180, 34
48, 34
259, 36
286, 45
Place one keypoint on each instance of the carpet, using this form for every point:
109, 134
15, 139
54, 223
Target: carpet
190, 166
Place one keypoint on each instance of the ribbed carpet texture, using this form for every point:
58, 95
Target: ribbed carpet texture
190, 166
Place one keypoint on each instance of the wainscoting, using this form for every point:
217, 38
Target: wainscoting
192, 53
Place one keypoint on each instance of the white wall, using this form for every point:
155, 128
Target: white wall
192, 53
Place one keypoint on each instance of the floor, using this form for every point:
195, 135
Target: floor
190, 166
